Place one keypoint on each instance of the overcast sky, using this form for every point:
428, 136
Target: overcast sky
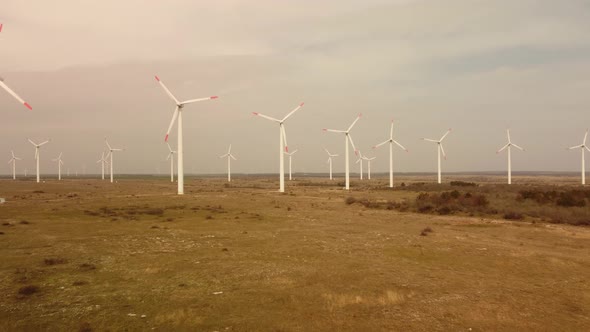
87, 68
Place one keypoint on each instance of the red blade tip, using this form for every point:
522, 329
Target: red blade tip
214, 97
166, 139
287, 148
157, 78
255, 113
28, 106
301, 104
360, 114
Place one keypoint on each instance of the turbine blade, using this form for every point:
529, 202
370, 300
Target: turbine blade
167, 91
518, 147
35, 144
380, 144
225, 155
430, 140
445, 135
284, 134
352, 143
229, 150
292, 153
174, 116
169, 148
334, 130
190, 101
391, 131
354, 122
585, 136
508, 135
17, 158
401, 146
266, 117
232, 157
443, 151
293, 111
108, 145
13, 94
41, 144
587, 148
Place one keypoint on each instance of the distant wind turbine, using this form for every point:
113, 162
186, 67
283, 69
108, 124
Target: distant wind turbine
439, 149
290, 154
282, 142
37, 154
368, 160
390, 141
171, 158
59, 163
229, 157
360, 161
508, 146
178, 114
13, 161
347, 138
102, 161
330, 160
13, 94
111, 150
583, 147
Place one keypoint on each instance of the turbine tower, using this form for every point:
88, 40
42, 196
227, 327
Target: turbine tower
229, 158
391, 141
111, 150
13, 161
171, 158
178, 114
508, 146
330, 160
13, 94
59, 163
37, 156
368, 160
102, 161
347, 138
290, 154
282, 142
583, 147
439, 149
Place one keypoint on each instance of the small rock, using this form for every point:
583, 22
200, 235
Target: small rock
217, 293
143, 316
131, 315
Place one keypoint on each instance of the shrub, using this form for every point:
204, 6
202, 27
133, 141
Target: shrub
513, 216
54, 261
463, 184
28, 290
350, 200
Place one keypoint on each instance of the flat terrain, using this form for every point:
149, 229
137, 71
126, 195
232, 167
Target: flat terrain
88, 255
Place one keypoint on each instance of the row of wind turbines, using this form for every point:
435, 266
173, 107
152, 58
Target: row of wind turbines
283, 146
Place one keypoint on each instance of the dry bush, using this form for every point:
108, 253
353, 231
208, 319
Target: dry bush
29, 290
54, 261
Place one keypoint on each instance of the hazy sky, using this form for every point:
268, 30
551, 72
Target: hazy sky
87, 68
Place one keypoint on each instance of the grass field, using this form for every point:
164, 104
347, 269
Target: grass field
87, 255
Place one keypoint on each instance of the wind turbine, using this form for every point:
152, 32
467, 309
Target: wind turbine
178, 114
347, 138
229, 158
439, 149
12, 93
290, 154
508, 146
390, 141
360, 160
282, 142
111, 150
37, 146
102, 161
171, 158
330, 160
59, 163
368, 160
583, 147
13, 161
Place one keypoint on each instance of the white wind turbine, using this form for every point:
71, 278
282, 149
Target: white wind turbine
282, 142
171, 158
37, 155
391, 141
102, 161
330, 160
12, 93
583, 147
347, 138
439, 149
290, 154
360, 160
59, 163
508, 146
111, 150
229, 158
368, 160
178, 114
13, 161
